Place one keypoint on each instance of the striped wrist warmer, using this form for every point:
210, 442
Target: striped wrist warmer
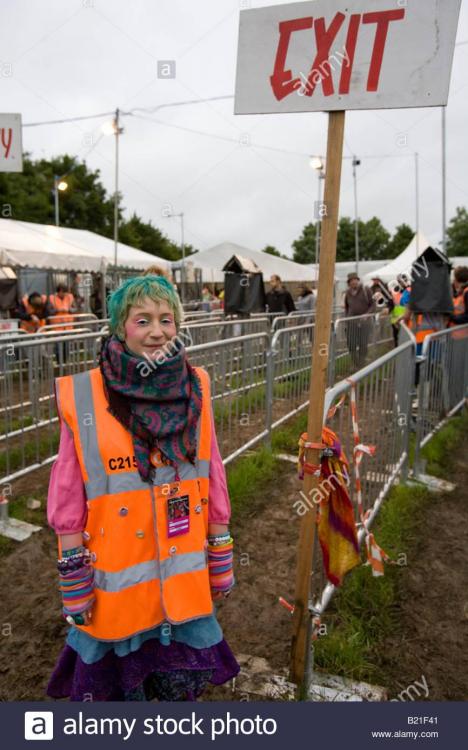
220, 561
77, 590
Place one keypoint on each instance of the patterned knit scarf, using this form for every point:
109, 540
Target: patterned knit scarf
160, 404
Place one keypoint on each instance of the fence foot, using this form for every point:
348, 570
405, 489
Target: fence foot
433, 484
330, 688
17, 530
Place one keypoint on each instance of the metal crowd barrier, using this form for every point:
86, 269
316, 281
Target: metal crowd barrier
238, 371
203, 333
276, 377
443, 384
357, 341
383, 404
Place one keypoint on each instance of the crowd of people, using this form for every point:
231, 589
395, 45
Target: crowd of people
38, 310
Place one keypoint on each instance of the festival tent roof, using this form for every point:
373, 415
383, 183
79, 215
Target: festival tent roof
46, 246
212, 261
403, 263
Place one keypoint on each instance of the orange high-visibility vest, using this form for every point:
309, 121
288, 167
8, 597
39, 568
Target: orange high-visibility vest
31, 326
62, 310
421, 327
143, 576
459, 309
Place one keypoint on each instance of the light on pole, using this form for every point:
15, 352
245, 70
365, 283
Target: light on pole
317, 163
444, 181
59, 184
182, 270
115, 129
416, 182
356, 163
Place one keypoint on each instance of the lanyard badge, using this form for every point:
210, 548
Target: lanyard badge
178, 515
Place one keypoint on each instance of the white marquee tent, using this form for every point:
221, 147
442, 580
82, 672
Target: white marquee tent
44, 246
212, 261
401, 264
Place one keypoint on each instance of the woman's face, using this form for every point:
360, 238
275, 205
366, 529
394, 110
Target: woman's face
149, 327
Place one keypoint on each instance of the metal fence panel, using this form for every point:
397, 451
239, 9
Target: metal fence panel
443, 383
382, 391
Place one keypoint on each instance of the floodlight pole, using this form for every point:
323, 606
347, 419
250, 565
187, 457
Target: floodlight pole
444, 180
117, 132
356, 163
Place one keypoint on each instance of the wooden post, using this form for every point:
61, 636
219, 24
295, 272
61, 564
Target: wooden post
318, 385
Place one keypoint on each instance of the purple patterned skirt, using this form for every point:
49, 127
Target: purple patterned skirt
173, 672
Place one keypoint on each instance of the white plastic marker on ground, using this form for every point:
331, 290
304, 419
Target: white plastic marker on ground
331, 56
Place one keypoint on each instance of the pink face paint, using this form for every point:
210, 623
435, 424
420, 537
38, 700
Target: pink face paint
130, 328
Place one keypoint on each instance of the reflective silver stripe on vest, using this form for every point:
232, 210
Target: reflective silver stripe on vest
149, 571
166, 474
86, 418
112, 484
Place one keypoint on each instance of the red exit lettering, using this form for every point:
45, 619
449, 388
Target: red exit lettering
6, 137
282, 81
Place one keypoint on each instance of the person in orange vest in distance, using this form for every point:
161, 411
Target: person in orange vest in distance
460, 300
62, 303
139, 501
33, 312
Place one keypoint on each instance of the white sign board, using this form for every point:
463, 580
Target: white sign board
345, 54
11, 150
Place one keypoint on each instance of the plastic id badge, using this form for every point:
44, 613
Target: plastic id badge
178, 515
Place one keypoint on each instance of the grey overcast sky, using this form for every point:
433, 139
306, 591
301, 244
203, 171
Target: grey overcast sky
65, 58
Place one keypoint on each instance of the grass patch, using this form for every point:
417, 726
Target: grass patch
439, 451
248, 475
18, 509
365, 611
31, 451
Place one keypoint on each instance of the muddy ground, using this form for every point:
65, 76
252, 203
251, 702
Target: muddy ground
433, 606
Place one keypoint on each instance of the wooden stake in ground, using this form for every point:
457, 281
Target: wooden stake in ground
318, 383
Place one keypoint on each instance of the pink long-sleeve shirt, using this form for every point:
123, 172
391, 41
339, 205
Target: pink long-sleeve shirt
67, 510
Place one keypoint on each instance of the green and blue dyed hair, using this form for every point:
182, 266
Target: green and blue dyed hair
133, 292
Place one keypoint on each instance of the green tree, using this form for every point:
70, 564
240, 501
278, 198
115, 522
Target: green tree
457, 233
84, 205
304, 246
144, 236
373, 240
400, 240
345, 240
271, 250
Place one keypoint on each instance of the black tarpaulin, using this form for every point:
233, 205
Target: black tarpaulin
430, 283
244, 292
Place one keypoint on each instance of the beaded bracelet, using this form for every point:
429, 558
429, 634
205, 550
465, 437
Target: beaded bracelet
215, 540
73, 551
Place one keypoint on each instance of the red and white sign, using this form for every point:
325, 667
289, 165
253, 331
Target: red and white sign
11, 149
345, 54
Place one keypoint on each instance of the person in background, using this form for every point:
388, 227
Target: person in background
158, 271
305, 302
306, 299
460, 296
207, 298
62, 304
278, 299
358, 302
398, 310
33, 312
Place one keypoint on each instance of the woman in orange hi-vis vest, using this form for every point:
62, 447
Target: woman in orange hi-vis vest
139, 502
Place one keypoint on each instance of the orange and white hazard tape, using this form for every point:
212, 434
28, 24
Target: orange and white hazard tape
376, 556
